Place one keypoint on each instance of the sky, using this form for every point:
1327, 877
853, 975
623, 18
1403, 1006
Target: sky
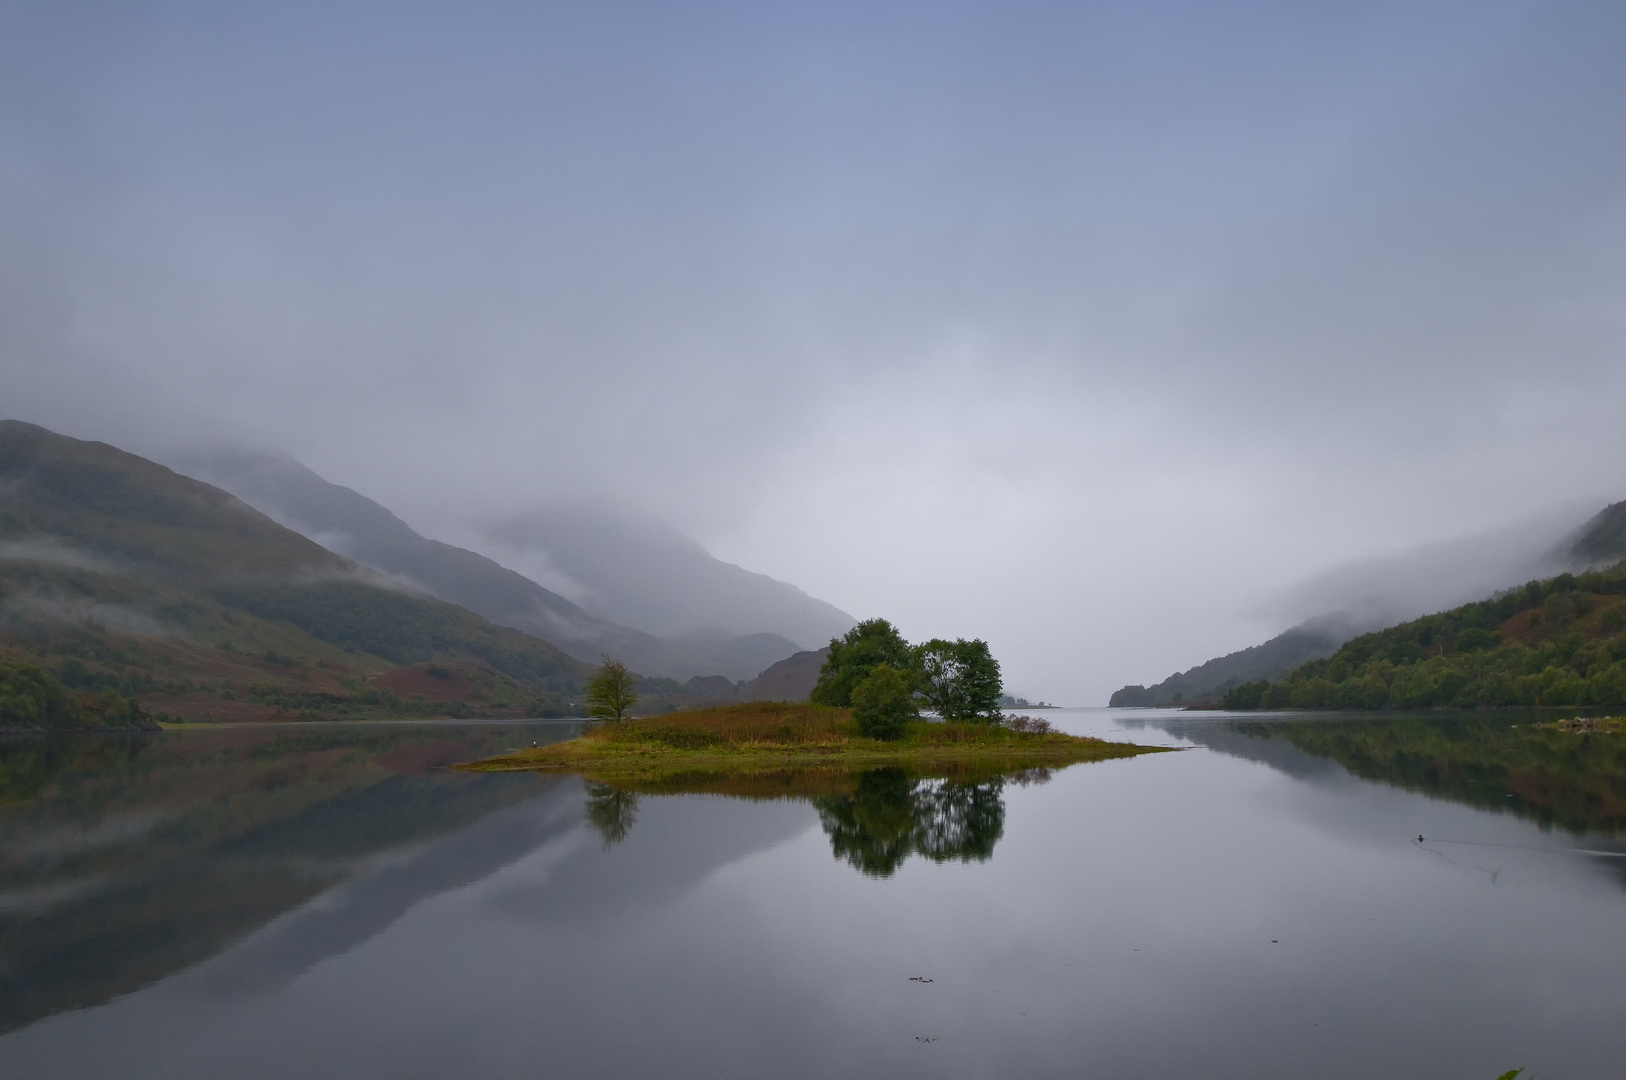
1094, 330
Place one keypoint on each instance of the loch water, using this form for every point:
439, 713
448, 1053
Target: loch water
328, 900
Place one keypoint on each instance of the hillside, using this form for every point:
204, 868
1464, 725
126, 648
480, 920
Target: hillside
1372, 590
1602, 542
358, 528
1560, 642
645, 573
1271, 660
792, 679
119, 575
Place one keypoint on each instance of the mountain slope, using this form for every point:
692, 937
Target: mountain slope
116, 572
359, 528
1271, 660
792, 679
1555, 642
646, 574
1602, 540
1381, 592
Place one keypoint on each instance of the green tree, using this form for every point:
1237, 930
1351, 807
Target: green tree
854, 655
29, 697
961, 679
884, 703
610, 692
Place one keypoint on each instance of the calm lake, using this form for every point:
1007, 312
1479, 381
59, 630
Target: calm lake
330, 901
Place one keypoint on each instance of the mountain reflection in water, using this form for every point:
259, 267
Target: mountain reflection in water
1571, 780
1258, 907
1502, 761
125, 858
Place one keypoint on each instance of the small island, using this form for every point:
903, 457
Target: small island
864, 713
767, 736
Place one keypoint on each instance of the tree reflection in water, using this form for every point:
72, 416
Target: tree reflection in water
611, 810
892, 815
875, 819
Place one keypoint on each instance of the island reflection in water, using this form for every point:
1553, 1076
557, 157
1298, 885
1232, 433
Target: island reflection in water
328, 901
875, 818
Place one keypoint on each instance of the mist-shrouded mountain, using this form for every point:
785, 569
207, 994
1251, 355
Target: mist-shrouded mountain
1602, 541
355, 526
1372, 594
119, 575
644, 573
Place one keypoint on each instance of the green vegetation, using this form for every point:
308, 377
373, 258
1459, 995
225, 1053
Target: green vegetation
765, 738
611, 691
959, 680
1272, 659
31, 698
854, 655
1560, 642
884, 703
129, 581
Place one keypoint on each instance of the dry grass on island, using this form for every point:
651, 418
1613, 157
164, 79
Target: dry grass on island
763, 736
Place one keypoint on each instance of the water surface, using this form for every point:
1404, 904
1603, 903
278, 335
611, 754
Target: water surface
327, 901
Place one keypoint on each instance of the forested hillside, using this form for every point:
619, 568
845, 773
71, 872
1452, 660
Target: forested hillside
358, 528
1555, 642
1270, 660
120, 577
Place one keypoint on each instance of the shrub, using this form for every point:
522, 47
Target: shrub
884, 703
31, 698
1029, 725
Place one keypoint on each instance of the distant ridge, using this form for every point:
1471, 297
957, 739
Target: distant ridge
353, 525
1271, 660
118, 575
792, 679
1600, 542
1557, 642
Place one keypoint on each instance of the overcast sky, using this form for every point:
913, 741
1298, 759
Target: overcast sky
1090, 329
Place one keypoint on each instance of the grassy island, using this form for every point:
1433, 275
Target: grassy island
773, 737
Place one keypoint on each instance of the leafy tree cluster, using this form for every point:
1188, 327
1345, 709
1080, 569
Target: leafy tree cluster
885, 680
1557, 642
31, 697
